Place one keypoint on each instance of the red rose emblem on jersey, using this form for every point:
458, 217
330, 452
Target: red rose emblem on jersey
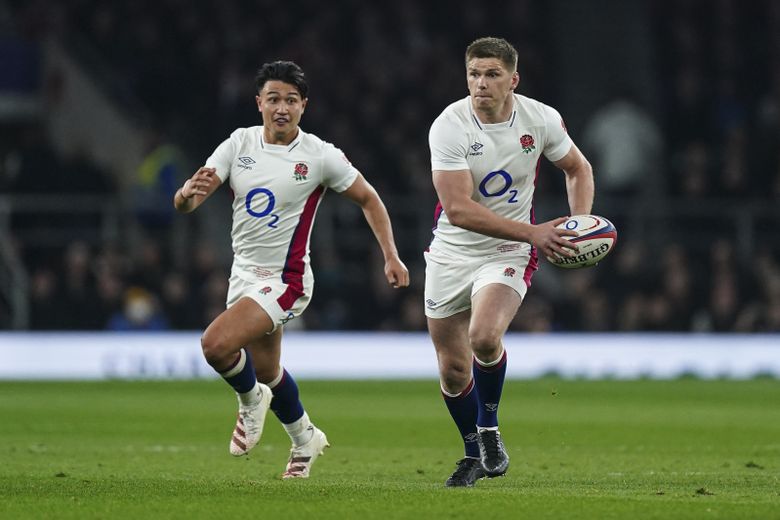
301, 171
527, 142
510, 272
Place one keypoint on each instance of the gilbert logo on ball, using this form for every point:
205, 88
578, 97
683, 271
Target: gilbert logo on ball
596, 237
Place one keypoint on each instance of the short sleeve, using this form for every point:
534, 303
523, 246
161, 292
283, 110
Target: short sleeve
449, 145
558, 141
222, 158
338, 173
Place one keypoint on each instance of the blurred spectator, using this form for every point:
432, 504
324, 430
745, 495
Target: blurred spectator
179, 304
140, 312
159, 176
80, 308
626, 148
45, 306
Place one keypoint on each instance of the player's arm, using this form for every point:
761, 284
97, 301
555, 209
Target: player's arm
365, 196
454, 189
196, 189
579, 181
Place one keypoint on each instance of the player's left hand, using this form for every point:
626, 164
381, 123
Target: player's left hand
396, 272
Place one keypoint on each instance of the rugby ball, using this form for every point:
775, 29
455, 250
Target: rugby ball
596, 237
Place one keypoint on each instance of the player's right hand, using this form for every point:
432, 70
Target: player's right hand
199, 183
549, 239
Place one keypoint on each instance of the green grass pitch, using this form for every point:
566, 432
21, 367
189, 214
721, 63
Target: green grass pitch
579, 450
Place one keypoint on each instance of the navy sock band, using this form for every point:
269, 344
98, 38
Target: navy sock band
489, 382
463, 409
241, 376
286, 403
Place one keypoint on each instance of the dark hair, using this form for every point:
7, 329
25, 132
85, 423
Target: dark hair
491, 47
285, 71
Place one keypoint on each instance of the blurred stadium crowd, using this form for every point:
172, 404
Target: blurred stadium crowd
688, 169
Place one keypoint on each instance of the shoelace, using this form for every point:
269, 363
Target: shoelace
464, 468
491, 442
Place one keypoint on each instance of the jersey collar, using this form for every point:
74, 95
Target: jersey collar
280, 147
486, 127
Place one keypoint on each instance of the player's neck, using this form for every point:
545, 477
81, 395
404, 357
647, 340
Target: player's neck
279, 138
500, 114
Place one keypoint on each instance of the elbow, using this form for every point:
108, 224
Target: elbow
456, 215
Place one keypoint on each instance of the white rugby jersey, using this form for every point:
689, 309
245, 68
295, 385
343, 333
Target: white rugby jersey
277, 190
504, 162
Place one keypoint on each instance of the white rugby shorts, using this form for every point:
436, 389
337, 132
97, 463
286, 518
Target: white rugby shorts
451, 282
273, 295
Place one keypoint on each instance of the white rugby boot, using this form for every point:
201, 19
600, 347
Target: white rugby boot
302, 457
249, 425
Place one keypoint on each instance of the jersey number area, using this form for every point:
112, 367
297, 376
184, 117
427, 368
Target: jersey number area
502, 181
258, 198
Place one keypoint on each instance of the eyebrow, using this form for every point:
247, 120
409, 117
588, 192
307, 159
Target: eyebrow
276, 92
473, 69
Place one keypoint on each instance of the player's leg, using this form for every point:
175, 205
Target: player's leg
308, 441
447, 307
493, 308
450, 338
223, 345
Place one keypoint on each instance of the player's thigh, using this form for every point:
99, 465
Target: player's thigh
451, 341
244, 322
492, 309
266, 354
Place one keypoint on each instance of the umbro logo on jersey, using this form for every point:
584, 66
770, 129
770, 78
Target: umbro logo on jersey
246, 162
430, 303
475, 148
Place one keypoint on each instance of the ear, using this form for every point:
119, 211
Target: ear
515, 79
259, 102
303, 104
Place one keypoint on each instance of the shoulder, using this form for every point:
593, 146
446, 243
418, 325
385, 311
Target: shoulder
241, 135
535, 112
313, 144
317, 148
457, 114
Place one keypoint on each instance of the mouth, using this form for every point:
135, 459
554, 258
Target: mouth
281, 121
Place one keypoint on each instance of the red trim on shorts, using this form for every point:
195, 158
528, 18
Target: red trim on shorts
533, 262
294, 266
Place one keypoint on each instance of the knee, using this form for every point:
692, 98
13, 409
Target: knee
485, 343
454, 375
216, 350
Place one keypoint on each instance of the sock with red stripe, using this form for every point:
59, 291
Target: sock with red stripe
286, 403
463, 409
241, 375
489, 380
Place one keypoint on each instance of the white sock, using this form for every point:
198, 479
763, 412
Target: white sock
299, 431
481, 429
490, 363
251, 397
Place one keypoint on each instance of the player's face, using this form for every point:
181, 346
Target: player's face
281, 105
490, 83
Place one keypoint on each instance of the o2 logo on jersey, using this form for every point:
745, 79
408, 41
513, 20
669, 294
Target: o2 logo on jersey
262, 198
496, 184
